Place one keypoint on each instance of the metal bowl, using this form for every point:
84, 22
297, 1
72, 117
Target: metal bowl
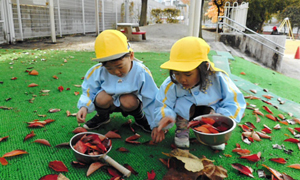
84, 158
219, 138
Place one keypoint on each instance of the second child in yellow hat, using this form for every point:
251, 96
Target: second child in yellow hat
195, 87
116, 84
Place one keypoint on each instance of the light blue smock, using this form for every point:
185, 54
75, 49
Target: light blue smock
138, 81
221, 94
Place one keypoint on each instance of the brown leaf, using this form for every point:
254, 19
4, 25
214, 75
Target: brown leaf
76, 93
112, 135
134, 137
32, 85
122, 149
65, 144
53, 110
55, 77
4, 138
93, 167
274, 172
130, 169
33, 72
79, 130
15, 153
30, 135
43, 141
58, 166
295, 166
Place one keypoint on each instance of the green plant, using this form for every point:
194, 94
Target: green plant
171, 14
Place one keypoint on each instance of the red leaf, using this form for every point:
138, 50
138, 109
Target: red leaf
58, 166
4, 138
253, 157
14, 78
241, 151
297, 129
130, 169
132, 138
60, 88
43, 141
122, 149
113, 172
55, 77
278, 160
36, 124
49, 177
79, 130
15, 153
112, 135
293, 140
49, 121
243, 169
76, 93
266, 130
151, 175
3, 161
30, 135
80, 147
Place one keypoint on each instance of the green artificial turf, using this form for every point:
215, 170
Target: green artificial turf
143, 158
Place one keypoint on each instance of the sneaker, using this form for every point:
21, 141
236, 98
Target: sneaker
96, 122
143, 123
220, 147
182, 138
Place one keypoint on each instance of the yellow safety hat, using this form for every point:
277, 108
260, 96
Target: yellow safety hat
187, 54
110, 45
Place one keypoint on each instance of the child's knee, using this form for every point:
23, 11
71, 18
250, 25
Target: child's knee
129, 102
103, 100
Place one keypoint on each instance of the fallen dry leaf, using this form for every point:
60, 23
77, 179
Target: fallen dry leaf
54, 110
33, 72
58, 166
43, 141
79, 130
30, 135
295, 166
112, 135
32, 85
15, 153
243, 169
4, 138
49, 177
93, 167
3, 161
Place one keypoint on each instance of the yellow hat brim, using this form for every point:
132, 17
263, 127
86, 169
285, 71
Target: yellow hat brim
180, 66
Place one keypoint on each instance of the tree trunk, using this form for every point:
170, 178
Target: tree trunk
201, 15
143, 17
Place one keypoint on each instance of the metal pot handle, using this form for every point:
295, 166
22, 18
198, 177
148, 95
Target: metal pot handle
116, 165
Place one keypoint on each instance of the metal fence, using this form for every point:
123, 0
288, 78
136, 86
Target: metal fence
24, 19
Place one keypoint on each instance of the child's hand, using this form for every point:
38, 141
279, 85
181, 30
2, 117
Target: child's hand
157, 136
81, 114
164, 122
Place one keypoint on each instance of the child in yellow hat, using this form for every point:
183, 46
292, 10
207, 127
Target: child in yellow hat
194, 87
116, 84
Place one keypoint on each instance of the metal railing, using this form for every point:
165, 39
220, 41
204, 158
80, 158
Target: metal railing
238, 30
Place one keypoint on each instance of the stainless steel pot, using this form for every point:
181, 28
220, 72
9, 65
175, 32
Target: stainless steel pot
88, 159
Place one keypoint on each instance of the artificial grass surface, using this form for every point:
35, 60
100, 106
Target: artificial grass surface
143, 158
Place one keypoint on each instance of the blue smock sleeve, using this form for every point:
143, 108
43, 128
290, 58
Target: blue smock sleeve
91, 86
165, 102
148, 92
233, 103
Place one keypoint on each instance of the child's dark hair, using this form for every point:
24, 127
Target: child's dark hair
126, 55
203, 72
